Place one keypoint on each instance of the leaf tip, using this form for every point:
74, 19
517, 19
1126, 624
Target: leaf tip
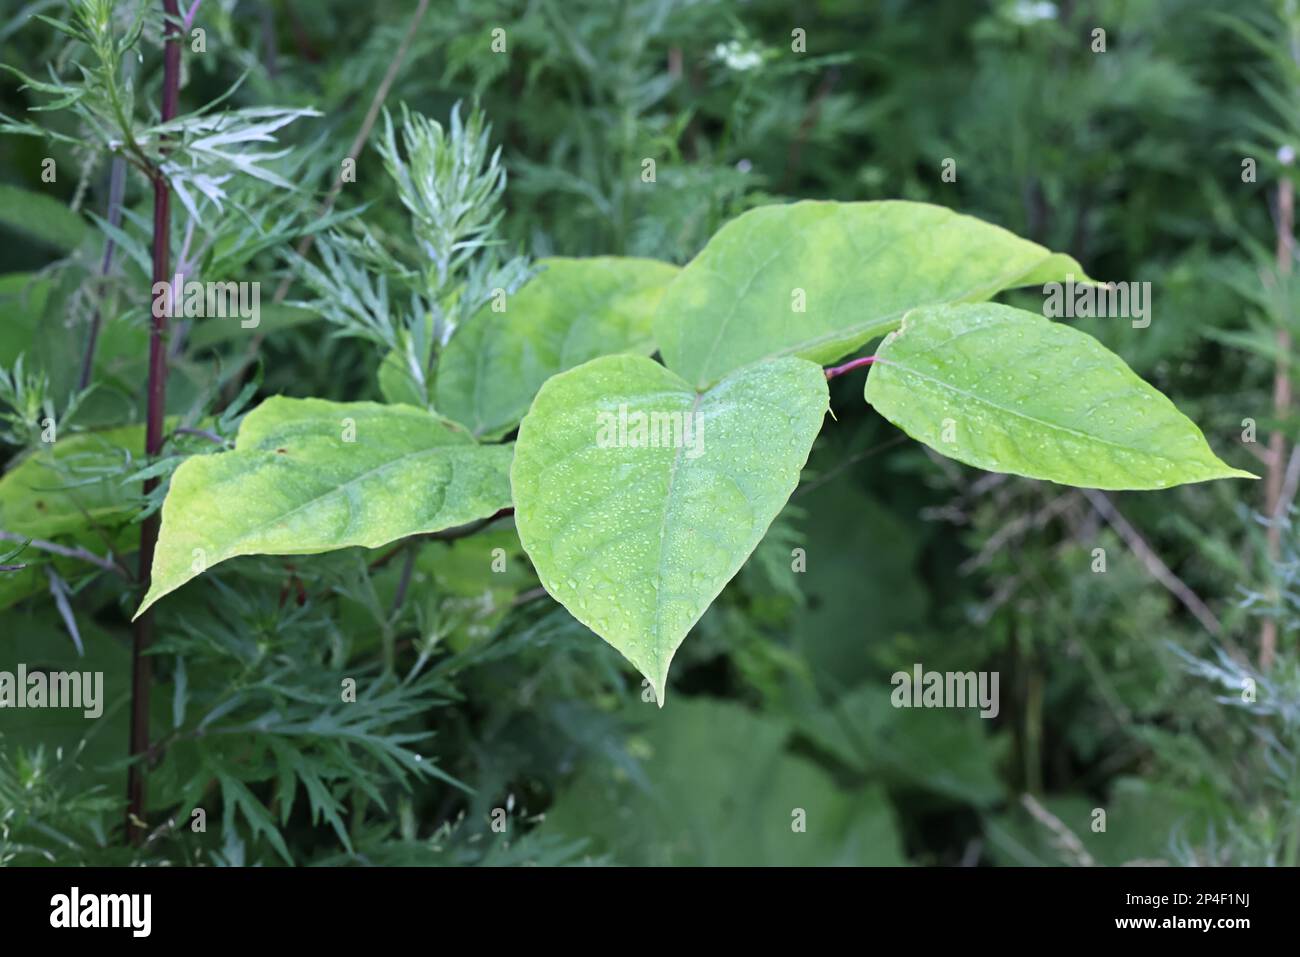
150, 599
658, 685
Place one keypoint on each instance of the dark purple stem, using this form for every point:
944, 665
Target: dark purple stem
849, 366
141, 672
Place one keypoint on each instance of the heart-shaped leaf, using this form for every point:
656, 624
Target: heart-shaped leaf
638, 498
1011, 391
819, 280
310, 476
574, 310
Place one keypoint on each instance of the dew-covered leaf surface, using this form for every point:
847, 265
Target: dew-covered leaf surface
819, 280
307, 476
1010, 391
636, 536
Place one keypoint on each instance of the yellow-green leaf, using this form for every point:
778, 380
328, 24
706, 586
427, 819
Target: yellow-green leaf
638, 498
1010, 391
819, 280
574, 310
310, 476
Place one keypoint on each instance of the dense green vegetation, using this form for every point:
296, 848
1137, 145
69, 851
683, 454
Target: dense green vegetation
386, 179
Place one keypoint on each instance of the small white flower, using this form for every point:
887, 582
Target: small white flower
737, 57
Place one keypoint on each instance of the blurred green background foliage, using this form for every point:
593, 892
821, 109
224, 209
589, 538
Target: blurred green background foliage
1121, 690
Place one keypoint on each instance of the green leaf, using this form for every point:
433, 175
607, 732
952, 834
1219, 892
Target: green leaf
71, 491
41, 217
858, 267
951, 753
272, 317
310, 476
470, 591
73, 486
42, 644
23, 298
853, 572
723, 790
576, 310
635, 531
1011, 391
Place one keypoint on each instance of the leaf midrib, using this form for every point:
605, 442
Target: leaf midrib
663, 529
339, 489
1016, 413
878, 325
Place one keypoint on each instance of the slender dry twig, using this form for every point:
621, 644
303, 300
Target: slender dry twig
403, 582
1158, 569
524, 597
1290, 481
105, 562
808, 123
116, 190
1065, 839
354, 151
848, 463
1274, 503
203, 434
1017, 527
363, 134
446, 535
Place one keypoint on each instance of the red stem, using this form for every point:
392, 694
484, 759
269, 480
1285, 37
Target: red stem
141, 672
849, 366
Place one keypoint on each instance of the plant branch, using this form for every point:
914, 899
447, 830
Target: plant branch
1274, 477
105, 562
446, 535
363, 134
116, 188
404, 582
1158, 569
849, 366
141, 670
203, 434
354, 151
59, 591
1065, 839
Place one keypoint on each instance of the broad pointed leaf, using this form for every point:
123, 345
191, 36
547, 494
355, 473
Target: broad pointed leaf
43, 217
573, 311
819, 280
636, 531
310, 476
1011, 391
